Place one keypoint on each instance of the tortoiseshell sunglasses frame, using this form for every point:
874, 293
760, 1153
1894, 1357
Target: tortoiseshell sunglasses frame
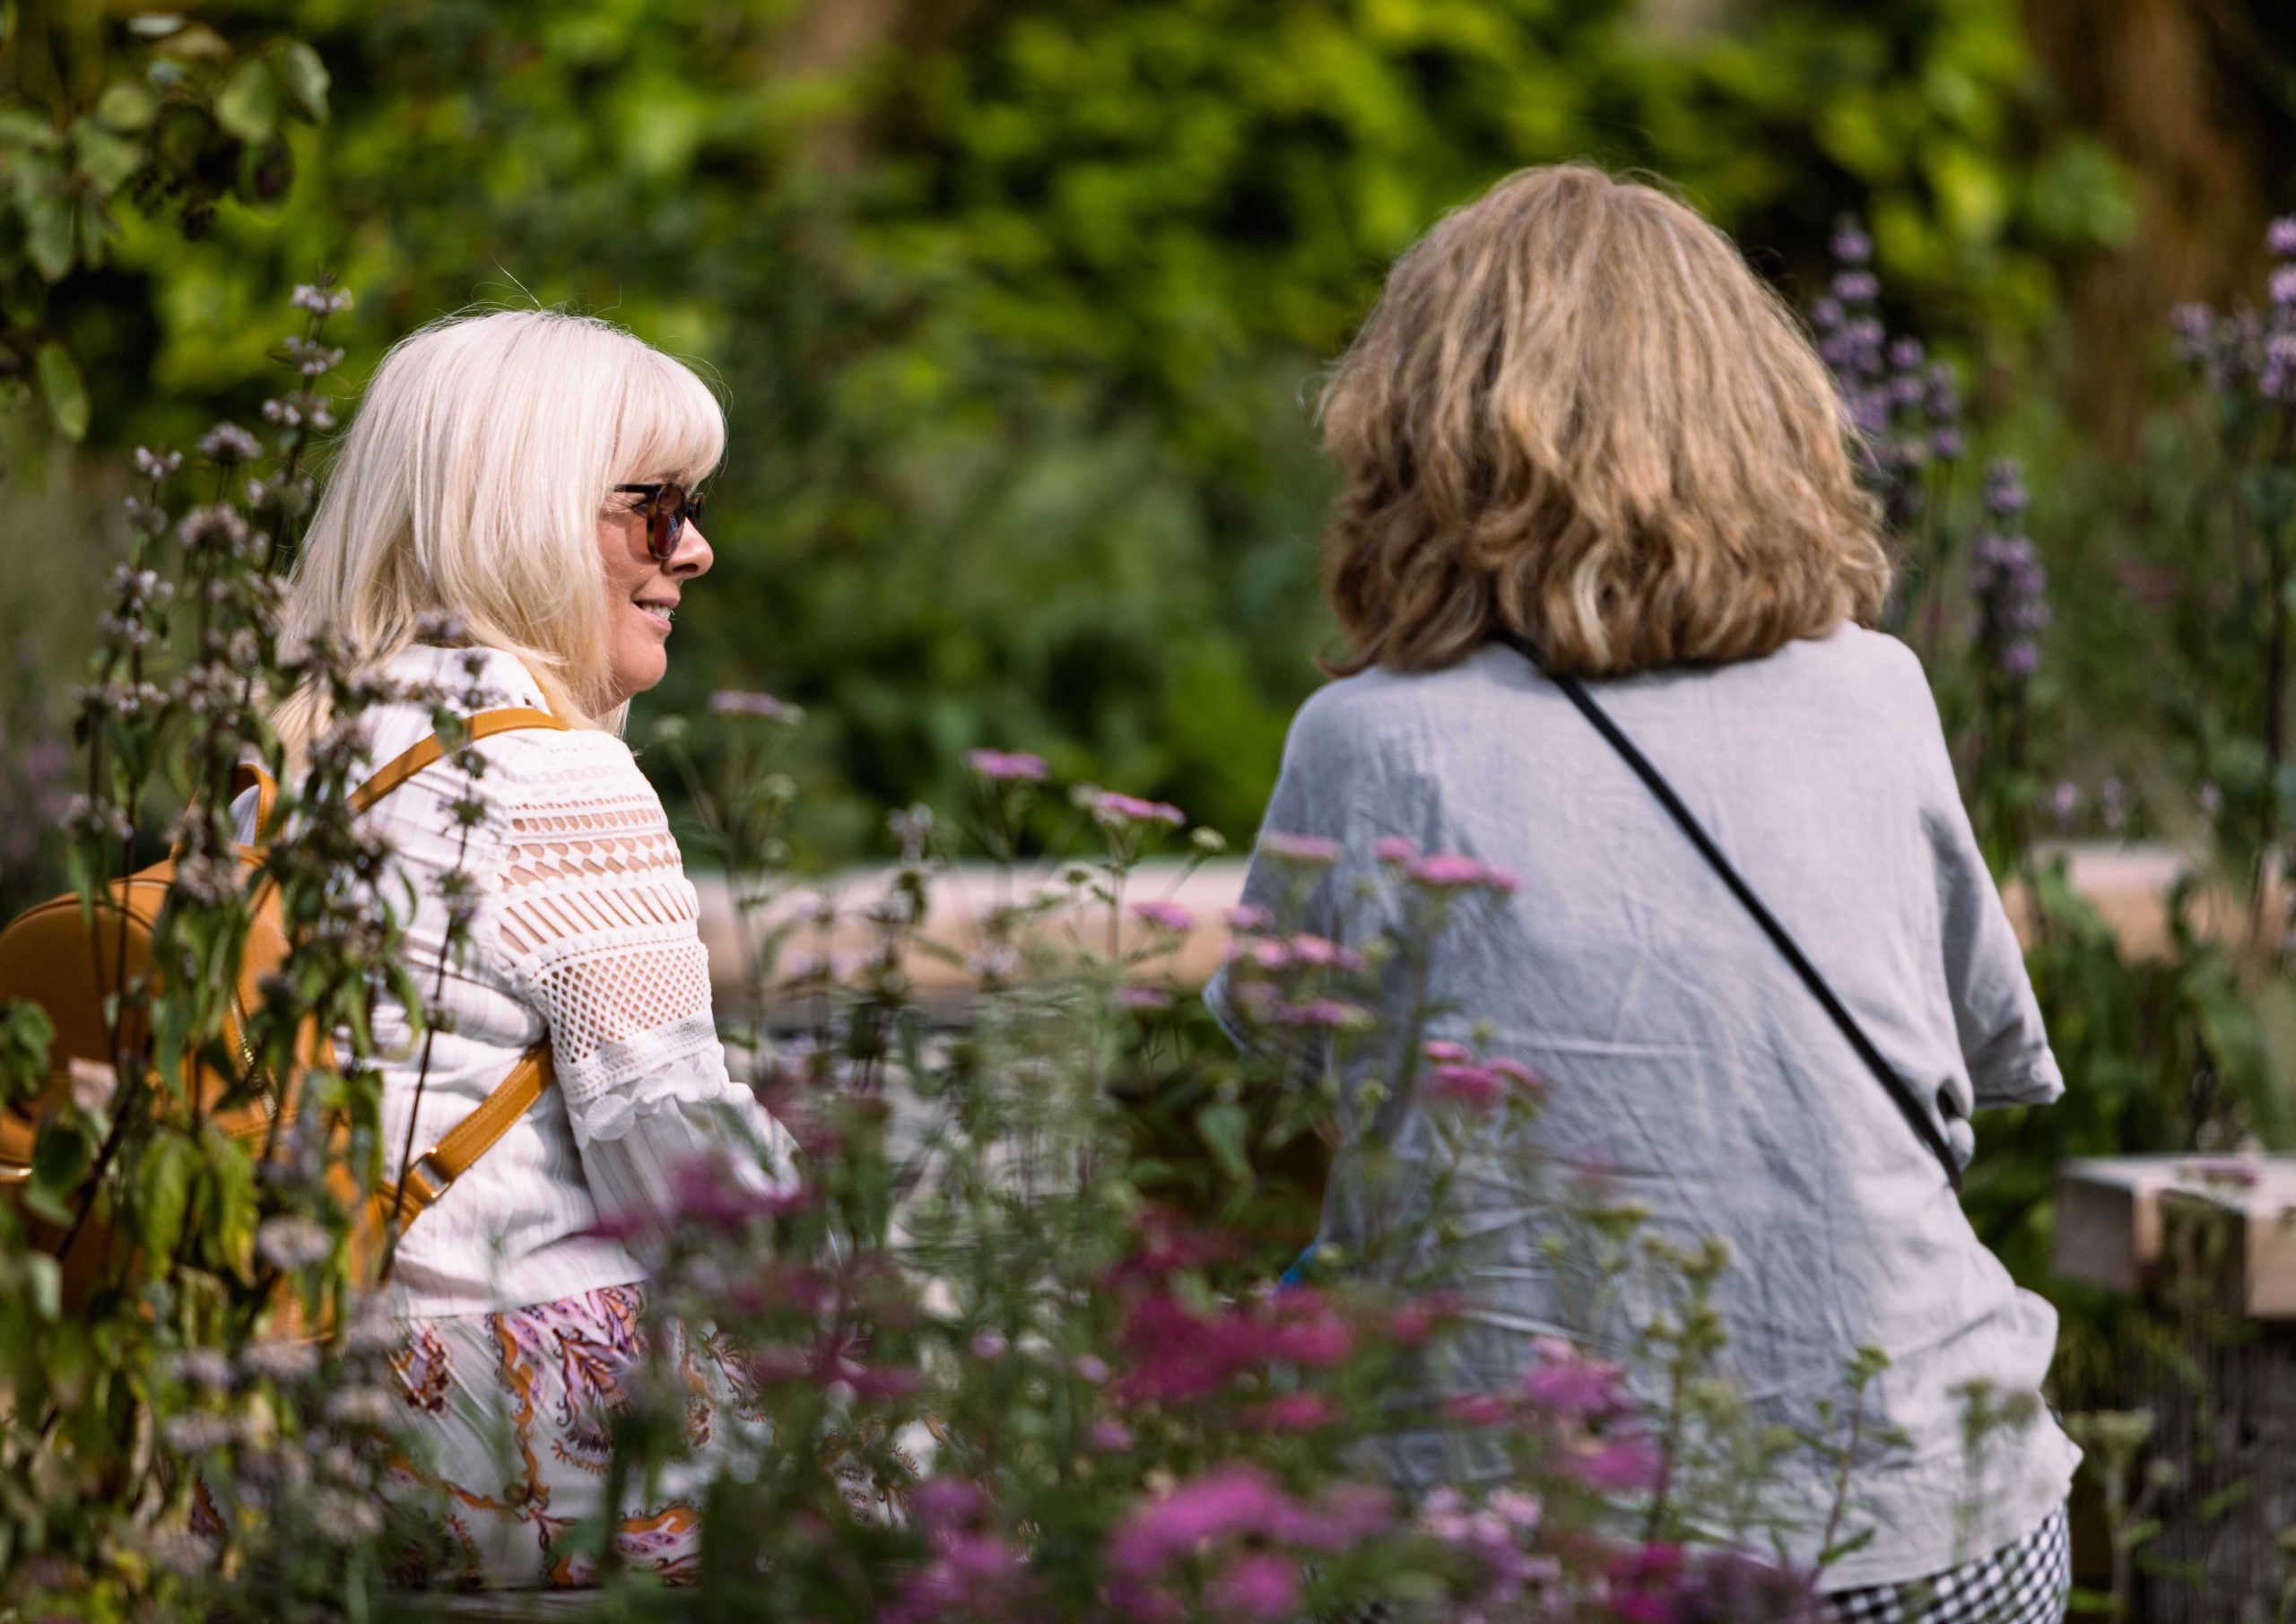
668, 509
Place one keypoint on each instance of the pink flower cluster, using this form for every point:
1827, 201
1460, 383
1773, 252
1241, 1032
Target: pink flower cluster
1663, 1584
1178, 1352
1476, 1087
739, 702
1113, 810
1573, 1401
1164, 917
1007, 766
1315, 851
1449, 871
1235, 1516
711, 1194
1493, 1536
1272, 955
972, 1571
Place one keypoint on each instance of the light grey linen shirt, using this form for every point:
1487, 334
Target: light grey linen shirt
1683, 1052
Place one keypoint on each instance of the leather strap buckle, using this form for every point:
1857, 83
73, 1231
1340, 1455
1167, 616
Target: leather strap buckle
426, 1179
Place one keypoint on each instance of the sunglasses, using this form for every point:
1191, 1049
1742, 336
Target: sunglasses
668, 509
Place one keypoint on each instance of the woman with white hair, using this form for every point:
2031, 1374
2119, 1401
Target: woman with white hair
511, 525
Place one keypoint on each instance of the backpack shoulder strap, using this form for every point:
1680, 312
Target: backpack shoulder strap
252, 776
397, 770
481, 725
430, 1174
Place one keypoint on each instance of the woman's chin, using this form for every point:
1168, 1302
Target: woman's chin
638, 670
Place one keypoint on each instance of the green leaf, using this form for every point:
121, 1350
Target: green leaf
21, 126
106, 158
307, 79
127, 107
231, 1176
249, 107
61, 1157
1224, 1126
67, 395
48, 234
164, 1198
25, 1033
44, 1282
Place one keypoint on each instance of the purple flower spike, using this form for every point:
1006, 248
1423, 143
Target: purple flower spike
2279, 236
1856, 287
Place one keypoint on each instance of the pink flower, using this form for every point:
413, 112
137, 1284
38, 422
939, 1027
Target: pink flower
1611, 1465
1526, 1080
1178, 1352
987, 1345
1257, 1584
1396, 848
1007, 766
1109, 1437
1112, 809
1413, 1323
1477, 1410
1320, 952
1227, 1501
1147, 999
1565, 1385
709, 1191
1269, 955
1292, 1412
1249, 917
872, 1381
1475, 1089
1090, 1367
1446, 871
1442, 1051
738, 702
1315, 850
943, 1502
1517, 1509
1322, 1014
1165, 917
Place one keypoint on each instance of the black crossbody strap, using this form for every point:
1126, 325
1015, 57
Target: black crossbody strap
1899, 1090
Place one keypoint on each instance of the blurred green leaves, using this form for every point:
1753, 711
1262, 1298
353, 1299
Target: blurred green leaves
157, 113
1020, 307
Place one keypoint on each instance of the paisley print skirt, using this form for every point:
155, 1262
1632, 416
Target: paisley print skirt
509, 1417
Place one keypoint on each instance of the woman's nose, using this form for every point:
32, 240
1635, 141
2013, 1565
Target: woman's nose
694, 555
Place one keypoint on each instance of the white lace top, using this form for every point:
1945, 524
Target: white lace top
585, 933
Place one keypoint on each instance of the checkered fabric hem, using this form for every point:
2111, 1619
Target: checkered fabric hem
2026, 1582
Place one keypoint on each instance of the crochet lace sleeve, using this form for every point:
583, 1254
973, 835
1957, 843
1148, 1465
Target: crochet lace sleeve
599, 924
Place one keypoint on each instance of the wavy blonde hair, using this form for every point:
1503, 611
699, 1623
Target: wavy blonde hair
469, 488
1577, 415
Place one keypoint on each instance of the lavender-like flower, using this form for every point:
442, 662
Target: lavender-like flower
2008, 578
1906, 408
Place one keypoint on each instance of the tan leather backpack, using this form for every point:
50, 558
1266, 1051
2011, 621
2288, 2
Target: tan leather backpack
69, 960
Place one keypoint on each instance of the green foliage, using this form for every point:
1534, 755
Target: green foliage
161, 114
1020, 313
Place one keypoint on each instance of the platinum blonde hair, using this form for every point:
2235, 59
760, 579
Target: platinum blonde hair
1576, 414
469, 488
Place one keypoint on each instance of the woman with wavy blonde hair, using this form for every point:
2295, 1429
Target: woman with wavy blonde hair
1595, 477
509, 528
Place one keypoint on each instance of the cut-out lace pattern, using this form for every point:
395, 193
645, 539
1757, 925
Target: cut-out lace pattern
584, 931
